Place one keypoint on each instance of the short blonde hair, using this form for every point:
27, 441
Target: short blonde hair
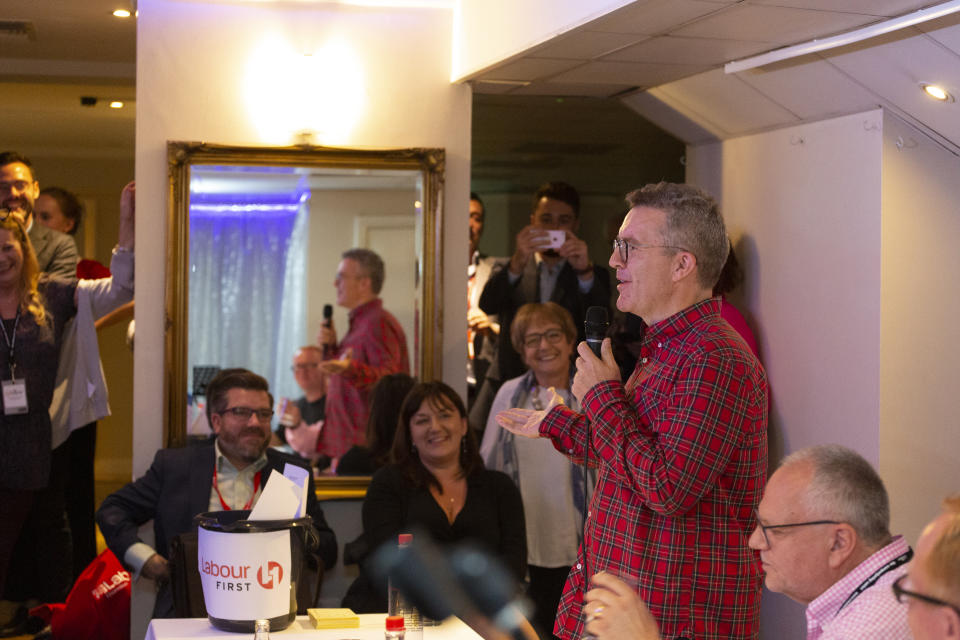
943, 563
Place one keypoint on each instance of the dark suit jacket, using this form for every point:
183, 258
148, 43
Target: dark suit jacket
504, 299
56, 252
175, 488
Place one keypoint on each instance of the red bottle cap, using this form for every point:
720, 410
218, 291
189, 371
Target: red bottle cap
395, 623
405, 538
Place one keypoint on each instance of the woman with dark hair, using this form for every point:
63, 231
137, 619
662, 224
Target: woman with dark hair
59, 209
437, 483
62, 211
385, 402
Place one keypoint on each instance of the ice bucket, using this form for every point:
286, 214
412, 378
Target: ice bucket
250, 570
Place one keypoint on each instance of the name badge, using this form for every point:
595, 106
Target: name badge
14, 397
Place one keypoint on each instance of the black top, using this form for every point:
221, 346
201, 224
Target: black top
358, 461
492, 517
25, 438
310, 412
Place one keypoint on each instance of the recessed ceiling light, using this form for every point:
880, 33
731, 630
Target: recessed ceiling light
936, 92
116, 104
121, 13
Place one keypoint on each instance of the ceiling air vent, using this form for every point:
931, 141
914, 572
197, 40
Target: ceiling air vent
18, 29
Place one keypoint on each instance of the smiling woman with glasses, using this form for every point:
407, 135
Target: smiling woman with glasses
550, 484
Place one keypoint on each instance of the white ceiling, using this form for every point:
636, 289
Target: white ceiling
664, 59
79, 49
661, 58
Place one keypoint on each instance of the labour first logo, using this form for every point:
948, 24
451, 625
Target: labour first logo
274, 573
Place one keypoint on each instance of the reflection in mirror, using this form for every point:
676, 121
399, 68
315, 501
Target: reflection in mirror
257, 236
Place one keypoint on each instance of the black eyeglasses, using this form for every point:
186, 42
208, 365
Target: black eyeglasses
244, 413
764, 527
304, 366
623, 247
899, 592
532, 340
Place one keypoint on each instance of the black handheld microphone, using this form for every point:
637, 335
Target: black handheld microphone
595, 327
491, 588
327, 319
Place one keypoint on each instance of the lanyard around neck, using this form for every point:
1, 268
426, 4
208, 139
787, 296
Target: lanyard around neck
900, 560
223, 503
11, 341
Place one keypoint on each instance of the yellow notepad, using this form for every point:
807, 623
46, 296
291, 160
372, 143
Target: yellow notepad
333, 618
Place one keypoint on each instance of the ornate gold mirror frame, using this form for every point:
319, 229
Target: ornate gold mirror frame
181, 156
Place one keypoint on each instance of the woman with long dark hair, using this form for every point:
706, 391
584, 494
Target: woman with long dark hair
437, 483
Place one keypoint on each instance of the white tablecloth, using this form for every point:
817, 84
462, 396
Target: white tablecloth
371, 628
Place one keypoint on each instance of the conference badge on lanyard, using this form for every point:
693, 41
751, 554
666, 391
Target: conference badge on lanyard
14, 391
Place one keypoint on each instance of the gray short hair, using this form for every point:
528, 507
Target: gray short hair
371, 264
693, 222
847, 488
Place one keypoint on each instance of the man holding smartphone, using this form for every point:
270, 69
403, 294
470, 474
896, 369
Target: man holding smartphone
550, 264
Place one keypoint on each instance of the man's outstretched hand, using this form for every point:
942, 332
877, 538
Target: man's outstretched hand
526, 422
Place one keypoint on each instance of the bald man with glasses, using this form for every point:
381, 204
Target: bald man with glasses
823, 538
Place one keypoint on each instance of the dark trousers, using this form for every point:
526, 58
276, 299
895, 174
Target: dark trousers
14, 508
42, 566
80, 498
546, 587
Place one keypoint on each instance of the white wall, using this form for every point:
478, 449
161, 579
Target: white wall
920, 334
193, 83
802, 206
487, 32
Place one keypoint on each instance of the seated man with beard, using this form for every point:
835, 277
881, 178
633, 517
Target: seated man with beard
226, 473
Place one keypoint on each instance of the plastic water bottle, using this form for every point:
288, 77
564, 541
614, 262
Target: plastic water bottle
395, 629
398, 605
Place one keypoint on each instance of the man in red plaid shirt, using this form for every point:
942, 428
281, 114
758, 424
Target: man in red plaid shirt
374, 346
682, 445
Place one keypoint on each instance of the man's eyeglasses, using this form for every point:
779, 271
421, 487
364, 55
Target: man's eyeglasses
244, 413
765, 527
304, 366
532, 340
899, 592
623, 248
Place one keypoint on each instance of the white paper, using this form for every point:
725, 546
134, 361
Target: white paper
245, 576
300, 477
279, 499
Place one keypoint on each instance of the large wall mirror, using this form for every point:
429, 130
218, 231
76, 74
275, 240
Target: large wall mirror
256, 234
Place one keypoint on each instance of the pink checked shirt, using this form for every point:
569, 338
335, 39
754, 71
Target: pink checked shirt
874, 614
